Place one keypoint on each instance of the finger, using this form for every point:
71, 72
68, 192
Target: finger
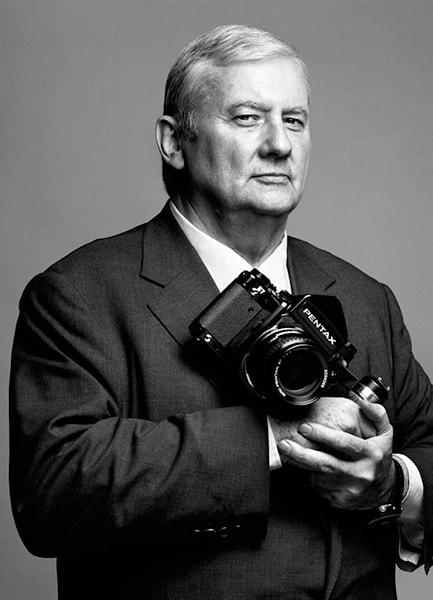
308, 458
377, 414
338, 441
368, 428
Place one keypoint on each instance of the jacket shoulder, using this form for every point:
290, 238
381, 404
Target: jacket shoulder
304, 253
102, 254
102, 267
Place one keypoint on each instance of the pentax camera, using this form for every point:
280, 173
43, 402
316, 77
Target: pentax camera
288, 349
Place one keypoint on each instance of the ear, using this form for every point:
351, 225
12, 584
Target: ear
167, 138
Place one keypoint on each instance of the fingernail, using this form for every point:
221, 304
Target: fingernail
285, 446
305, 429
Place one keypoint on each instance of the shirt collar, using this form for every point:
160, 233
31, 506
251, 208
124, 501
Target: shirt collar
224, 264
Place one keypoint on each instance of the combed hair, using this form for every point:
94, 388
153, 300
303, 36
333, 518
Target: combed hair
191, 74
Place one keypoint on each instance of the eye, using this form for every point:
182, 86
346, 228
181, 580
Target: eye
294, 124
247, 119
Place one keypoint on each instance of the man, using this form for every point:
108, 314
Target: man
140, 462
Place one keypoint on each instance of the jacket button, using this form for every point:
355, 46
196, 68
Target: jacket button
223, 532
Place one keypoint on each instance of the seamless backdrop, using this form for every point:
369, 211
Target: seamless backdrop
81, 84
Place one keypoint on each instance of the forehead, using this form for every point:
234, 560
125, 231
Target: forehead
269, 82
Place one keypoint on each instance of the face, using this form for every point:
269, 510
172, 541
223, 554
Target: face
253, 144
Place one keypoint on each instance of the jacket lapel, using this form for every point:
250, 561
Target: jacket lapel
181, 285
307, 275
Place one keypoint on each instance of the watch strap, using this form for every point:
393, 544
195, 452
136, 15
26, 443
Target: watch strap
389, 511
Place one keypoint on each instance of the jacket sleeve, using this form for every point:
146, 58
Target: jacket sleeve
413, 420
86, 475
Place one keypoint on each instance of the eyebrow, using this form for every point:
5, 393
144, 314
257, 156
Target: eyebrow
297, 110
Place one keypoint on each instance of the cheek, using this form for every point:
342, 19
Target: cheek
226, 163
306, 149
303, 155
237, 159
222, 162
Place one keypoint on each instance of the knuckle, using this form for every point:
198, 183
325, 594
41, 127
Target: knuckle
380, 410
350, 444
367, 477
327, 468
376, 454
356, 447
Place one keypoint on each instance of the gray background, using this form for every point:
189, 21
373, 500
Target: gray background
80, 89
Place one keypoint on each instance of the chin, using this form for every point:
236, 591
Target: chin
276, 209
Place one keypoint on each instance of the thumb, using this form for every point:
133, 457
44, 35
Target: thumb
377, 414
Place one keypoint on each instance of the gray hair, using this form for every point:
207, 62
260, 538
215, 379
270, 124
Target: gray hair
219, 47
191, 74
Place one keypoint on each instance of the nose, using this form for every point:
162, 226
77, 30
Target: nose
276, 141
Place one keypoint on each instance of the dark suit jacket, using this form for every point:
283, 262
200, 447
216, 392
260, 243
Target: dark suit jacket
144, 469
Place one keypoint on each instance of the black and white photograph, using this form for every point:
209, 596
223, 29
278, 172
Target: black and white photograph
216, 273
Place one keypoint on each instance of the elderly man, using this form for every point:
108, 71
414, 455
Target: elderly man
142, 463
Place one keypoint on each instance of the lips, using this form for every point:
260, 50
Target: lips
272, 178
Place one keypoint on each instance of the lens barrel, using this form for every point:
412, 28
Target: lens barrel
284, 364
370, 388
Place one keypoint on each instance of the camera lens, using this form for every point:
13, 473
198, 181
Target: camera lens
300, 371
286, 365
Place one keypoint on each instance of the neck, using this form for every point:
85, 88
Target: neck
253, 236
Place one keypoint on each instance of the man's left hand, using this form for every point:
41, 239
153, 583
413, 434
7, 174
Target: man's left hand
350, 472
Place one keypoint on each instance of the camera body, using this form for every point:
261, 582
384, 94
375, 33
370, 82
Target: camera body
288, 349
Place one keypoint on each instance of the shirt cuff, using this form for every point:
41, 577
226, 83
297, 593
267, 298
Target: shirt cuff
274, 455
411, 531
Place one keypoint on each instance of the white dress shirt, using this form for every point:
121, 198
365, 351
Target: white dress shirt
224, 265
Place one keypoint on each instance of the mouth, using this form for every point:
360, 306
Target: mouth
272, 178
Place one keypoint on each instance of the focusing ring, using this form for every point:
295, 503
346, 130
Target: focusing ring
262, 366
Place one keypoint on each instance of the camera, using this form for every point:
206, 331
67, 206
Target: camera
289, 349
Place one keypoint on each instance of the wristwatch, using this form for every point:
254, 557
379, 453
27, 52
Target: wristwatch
389, 511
